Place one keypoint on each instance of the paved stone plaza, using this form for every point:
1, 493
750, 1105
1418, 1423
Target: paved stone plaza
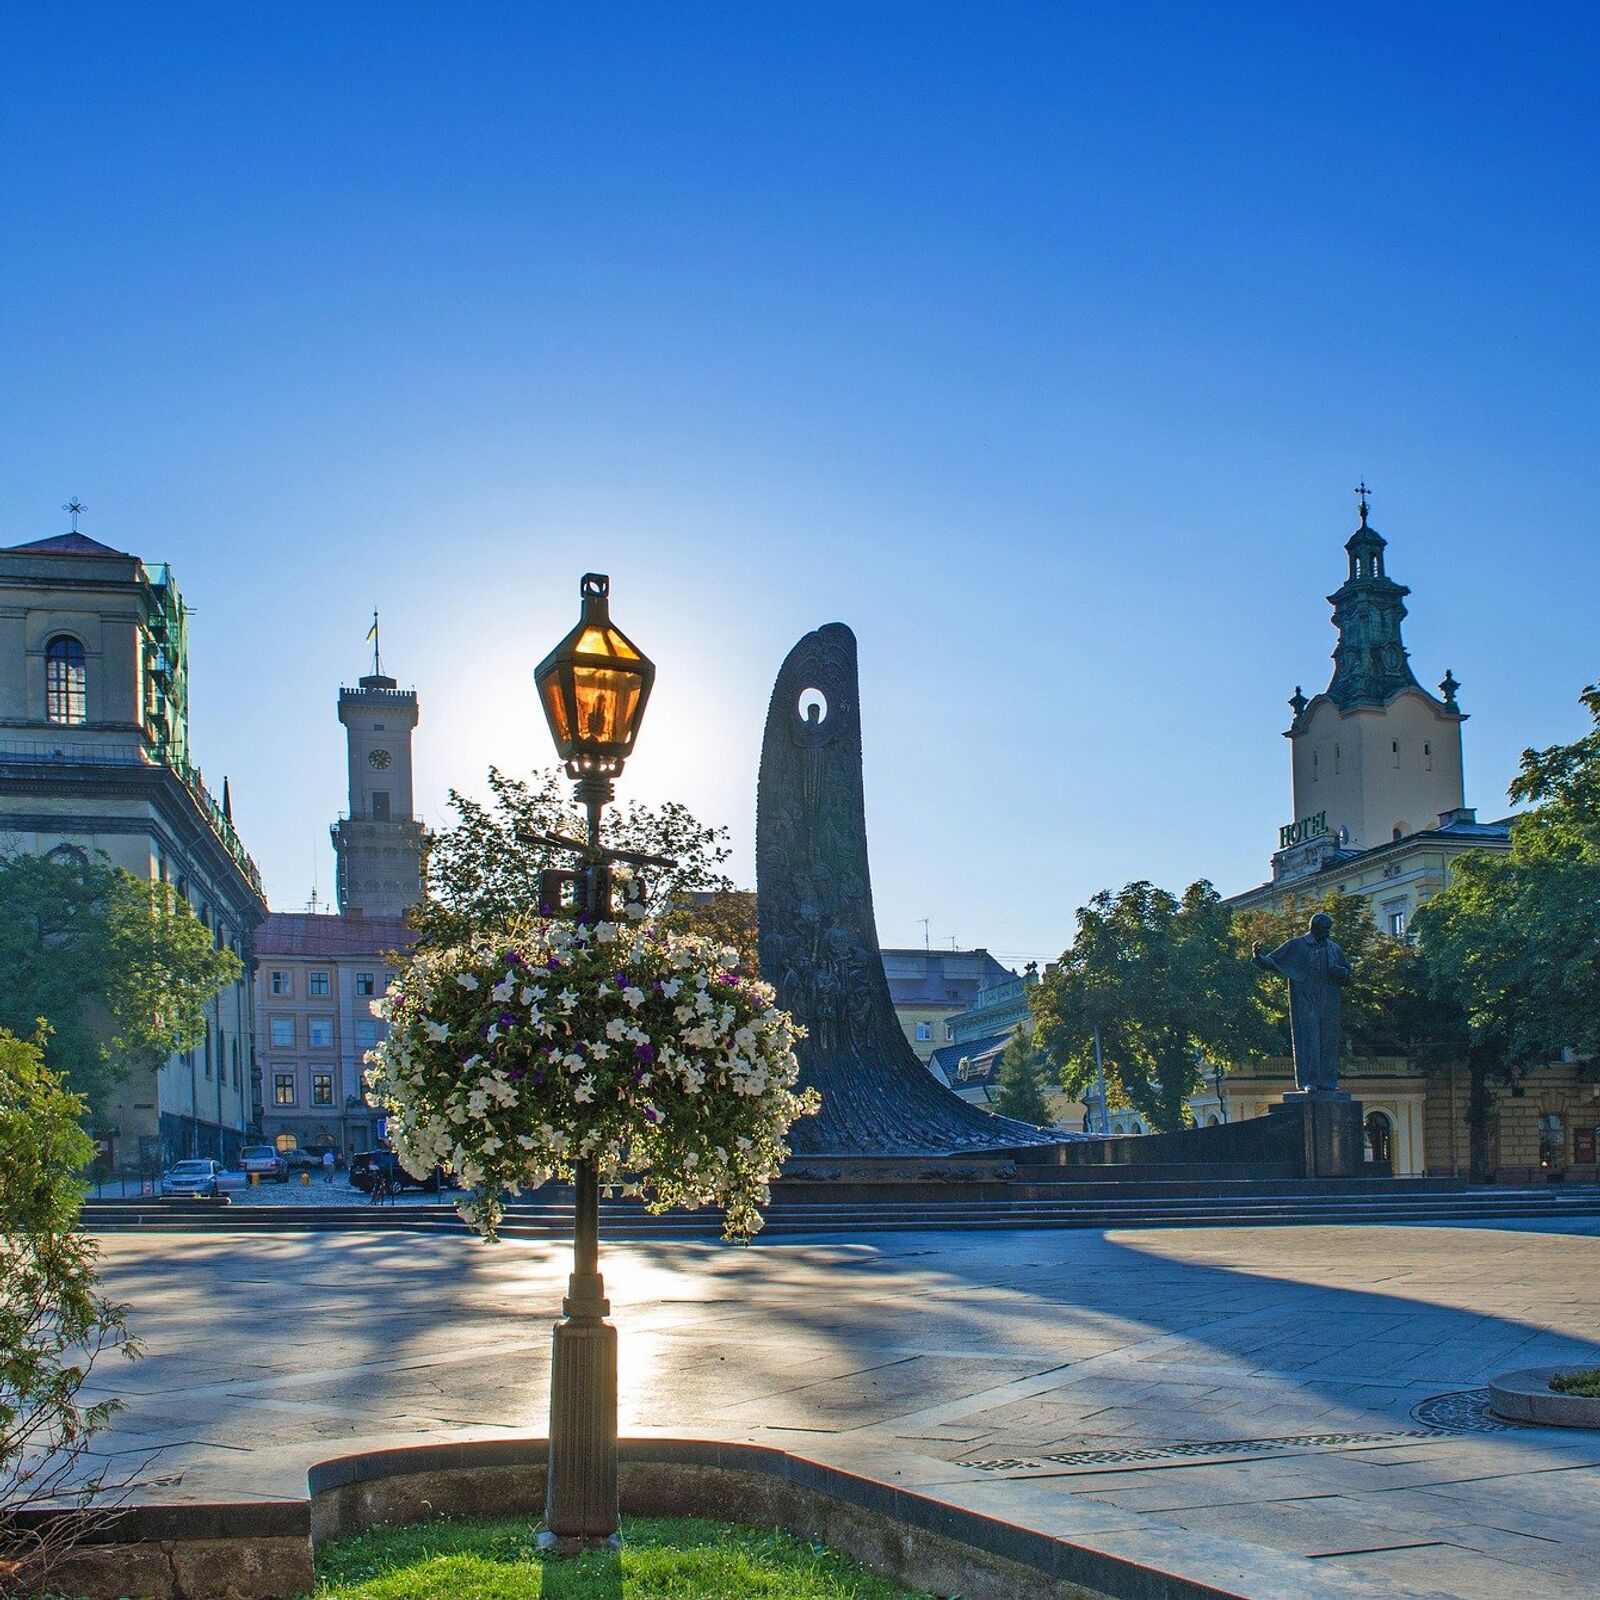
1177, 1393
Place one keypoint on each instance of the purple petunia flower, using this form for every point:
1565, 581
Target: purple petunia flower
508, 1019
651, 1114
645, 1052
553, 964
512, 959
538, 1078
517, 1074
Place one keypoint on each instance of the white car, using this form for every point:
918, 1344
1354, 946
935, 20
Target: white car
263, 1158
196, 1178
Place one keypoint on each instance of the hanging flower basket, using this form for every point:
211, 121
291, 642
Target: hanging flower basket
642, 1050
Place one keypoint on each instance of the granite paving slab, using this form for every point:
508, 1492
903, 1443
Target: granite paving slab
1259, 1383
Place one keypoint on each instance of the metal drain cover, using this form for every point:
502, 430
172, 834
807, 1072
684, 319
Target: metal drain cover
1461, 1411
1188, 1449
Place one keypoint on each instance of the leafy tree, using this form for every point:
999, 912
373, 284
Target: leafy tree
120, 969
728, 915
1511, 938
1161, 978
1021, 1091
54, 1322
1392, 1009
484, 872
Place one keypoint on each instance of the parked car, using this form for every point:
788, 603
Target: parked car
197, 1177
364, 1169
301, 1160
263, 1158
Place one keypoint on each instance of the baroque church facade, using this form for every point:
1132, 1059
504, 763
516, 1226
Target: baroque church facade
1379, 811
96, 762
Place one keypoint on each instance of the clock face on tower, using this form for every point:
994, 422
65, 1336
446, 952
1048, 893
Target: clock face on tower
380, 759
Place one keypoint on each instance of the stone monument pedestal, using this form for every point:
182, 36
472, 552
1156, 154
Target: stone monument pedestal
1331, 1124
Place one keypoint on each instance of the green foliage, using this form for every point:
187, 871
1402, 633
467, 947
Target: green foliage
1585, 1383
480, 877
54, 1322
687, 1559
1161, 978
1393, 1008
120, 969
1512, 937
1021, 1090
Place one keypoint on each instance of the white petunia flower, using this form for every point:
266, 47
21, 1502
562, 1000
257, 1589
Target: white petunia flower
467, 980
437, 1031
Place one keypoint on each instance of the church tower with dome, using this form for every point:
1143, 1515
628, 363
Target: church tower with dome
1379, 805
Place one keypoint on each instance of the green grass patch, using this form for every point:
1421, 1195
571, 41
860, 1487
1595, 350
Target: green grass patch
676, 1559
1586, 1383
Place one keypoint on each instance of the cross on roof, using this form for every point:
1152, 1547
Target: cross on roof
1362, 491
77, 508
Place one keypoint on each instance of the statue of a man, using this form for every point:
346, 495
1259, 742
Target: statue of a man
1317, 970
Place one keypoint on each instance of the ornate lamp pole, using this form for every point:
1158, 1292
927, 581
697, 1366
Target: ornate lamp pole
593, 687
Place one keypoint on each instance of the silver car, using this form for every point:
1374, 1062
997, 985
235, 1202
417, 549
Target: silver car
264, 1160
197, 1177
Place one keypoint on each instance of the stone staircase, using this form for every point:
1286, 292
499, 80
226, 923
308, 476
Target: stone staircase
1077, 1204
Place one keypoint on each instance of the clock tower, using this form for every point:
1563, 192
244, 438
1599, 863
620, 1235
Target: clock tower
379, 841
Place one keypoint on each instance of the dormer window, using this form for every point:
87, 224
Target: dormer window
66, 678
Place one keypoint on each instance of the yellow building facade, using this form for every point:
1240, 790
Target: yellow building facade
1378, 810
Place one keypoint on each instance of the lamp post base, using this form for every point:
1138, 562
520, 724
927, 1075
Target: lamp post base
581, 1497
552, 1544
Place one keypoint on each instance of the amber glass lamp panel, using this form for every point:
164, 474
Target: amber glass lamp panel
555, 710
606, 700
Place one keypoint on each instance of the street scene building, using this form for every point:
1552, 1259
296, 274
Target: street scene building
929, 987
95, 760
1379, 804
319, 973
1379, 811
317, 979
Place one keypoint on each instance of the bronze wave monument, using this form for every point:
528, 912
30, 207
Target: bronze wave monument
819, 940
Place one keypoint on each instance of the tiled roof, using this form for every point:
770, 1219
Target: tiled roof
304, 933
63, 544
949, 1056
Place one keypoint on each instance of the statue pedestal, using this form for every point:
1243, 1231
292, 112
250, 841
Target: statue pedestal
1331, 1123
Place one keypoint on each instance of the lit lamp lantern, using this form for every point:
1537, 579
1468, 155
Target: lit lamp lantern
593, 687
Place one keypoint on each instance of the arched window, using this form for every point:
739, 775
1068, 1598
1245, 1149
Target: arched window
66, 675
1378, 1132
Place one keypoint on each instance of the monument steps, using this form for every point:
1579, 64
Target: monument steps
552, 1217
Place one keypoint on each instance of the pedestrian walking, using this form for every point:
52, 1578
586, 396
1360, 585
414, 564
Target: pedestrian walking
327, 1166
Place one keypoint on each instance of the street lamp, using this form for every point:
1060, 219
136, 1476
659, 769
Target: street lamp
593, 687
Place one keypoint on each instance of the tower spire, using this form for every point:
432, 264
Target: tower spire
1369, 662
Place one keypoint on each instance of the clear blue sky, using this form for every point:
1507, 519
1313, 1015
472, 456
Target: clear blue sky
1040, 343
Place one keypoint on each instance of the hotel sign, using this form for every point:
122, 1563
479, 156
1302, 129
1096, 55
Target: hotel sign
1294, 833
